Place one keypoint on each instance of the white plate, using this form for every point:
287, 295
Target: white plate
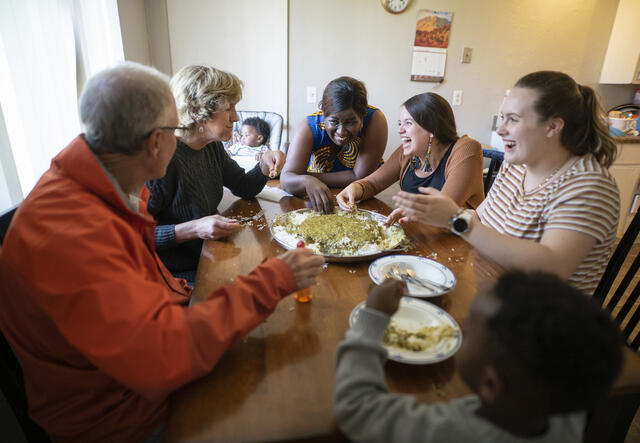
413, 314
424, 268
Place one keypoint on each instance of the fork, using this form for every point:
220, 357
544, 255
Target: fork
412, 275
408, 275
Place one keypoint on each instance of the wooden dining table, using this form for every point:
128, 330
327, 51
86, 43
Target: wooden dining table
277, 383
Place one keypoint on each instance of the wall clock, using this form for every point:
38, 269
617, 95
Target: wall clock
395, 6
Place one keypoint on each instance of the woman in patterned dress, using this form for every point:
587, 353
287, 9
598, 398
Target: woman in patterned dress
331, 148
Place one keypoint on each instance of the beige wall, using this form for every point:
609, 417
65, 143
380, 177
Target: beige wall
246, 37
158, 27
330, 38
509, 39
133, 26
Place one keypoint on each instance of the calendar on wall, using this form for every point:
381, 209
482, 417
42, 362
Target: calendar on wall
430, 45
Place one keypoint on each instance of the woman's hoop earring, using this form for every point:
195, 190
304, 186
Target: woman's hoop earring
200, 129
427, 165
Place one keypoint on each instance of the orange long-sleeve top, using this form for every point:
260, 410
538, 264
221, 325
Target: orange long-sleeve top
100, 326
463, 173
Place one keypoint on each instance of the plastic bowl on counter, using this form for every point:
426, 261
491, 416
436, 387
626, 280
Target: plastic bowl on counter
615, 132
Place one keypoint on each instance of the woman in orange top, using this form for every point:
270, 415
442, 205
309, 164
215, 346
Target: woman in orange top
431, 155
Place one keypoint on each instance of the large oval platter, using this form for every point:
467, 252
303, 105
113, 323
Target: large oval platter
395, 236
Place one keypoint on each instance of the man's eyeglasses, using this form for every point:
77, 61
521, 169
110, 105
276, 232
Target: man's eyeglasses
333, 123
164, 128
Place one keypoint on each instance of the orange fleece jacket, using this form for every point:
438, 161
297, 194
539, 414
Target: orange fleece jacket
99, 324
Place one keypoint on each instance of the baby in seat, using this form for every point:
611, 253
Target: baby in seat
250, 142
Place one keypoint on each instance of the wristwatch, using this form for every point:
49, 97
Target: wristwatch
460, 222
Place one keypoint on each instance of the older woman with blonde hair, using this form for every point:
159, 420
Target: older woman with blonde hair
185, 201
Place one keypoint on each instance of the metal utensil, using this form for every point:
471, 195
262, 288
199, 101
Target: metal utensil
408, 275
250, 218
403, 277
412, 274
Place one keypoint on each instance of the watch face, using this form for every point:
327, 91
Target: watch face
395, 6
460, 225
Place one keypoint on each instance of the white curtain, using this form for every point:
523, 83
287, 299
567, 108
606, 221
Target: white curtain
38, 73
98, 36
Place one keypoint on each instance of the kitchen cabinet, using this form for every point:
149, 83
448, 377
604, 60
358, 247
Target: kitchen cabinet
622, 61
626, 171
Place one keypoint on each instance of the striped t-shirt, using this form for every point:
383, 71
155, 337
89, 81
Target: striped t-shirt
584, 198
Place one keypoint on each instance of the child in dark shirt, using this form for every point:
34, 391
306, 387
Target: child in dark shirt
536, 352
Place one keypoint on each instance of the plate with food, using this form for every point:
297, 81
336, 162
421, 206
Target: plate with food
341, 235
424, 277
419, 333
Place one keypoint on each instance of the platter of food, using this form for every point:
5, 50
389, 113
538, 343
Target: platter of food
419, 332
339, 236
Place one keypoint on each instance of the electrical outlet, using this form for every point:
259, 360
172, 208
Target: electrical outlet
457, 97
466, 55
312, 94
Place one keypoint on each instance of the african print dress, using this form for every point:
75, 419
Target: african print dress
323, 155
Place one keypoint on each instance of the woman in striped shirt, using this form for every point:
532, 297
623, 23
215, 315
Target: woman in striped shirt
554, 205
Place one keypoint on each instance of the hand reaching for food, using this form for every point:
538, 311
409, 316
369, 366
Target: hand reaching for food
320, 197
386, 297
212, 227
349, 196
304, 264
271, 162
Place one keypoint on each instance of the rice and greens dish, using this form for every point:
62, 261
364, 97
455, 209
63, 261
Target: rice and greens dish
419, 340
342, 233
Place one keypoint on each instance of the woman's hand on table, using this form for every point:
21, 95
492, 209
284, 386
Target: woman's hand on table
349, 196
271, 162
386, 297
320, 198
212, 227
396, 215
431, 207
304, 264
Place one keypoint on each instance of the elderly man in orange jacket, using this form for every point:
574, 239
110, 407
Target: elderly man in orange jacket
101, 328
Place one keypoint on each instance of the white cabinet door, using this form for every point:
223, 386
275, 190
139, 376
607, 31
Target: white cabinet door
622, 61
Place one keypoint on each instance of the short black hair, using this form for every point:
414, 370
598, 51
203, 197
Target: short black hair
557, 335
344, 93
261, 127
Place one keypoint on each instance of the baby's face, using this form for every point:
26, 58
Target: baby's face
249, 136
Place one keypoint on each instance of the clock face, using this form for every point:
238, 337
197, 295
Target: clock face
395, 6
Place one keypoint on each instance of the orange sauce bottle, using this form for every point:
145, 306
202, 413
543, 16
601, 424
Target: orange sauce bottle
303, 295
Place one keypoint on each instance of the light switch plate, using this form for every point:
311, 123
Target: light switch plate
457, 97
466, 55
311, 94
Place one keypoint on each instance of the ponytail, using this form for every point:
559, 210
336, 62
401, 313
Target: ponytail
596, 137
